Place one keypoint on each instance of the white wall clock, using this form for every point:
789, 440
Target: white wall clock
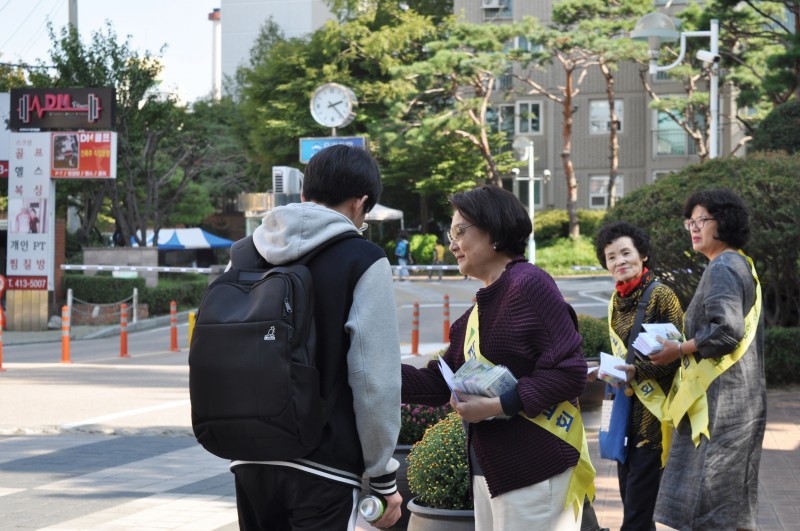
332, 105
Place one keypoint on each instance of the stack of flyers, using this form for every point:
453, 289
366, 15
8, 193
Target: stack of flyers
646, 342
477, 378
608, 372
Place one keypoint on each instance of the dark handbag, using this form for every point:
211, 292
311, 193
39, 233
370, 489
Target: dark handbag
614, 432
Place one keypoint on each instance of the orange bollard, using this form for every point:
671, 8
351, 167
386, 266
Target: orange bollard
447, 318
173, 327
65, 335
415, 331
123, 331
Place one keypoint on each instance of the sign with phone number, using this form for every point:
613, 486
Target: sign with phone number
27, 282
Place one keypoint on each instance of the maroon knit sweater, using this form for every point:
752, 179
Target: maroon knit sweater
526, 325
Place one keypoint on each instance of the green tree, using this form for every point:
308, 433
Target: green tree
780, 130
559, 45
768, 184
158, 153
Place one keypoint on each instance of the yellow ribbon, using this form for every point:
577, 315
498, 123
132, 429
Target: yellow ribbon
562, 420
688, 393
647, 391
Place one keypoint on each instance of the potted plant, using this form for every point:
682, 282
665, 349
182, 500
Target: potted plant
415, 419
438, 475
595, 340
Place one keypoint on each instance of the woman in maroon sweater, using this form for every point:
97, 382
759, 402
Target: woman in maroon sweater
520, 470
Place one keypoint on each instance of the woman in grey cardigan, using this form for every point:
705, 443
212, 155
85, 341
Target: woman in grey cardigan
711, 478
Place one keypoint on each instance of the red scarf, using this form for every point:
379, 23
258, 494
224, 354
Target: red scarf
625, 288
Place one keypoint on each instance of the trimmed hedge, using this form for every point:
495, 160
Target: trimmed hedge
595, 336
102, 288
782, 364
186, 290
552, 225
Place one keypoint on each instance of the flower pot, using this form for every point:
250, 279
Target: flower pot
430, 519
592, 397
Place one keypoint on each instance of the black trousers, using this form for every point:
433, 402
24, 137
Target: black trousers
279, 498
639, 478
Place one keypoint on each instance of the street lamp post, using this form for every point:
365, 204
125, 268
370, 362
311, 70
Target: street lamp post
658, 28
524, 148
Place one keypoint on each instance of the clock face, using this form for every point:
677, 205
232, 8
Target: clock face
332, 105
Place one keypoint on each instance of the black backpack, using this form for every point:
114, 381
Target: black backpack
253, 385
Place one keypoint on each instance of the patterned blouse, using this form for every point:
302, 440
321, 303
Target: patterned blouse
663, 307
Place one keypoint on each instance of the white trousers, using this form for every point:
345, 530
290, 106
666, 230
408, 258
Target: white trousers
539, 507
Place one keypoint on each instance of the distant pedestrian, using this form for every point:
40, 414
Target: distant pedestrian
438, 258
403, 253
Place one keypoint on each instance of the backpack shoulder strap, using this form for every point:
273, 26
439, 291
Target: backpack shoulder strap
244, 254
637, 321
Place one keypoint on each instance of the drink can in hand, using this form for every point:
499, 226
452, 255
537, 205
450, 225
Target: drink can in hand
371, 507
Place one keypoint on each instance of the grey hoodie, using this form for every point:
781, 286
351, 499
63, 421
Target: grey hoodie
373, 360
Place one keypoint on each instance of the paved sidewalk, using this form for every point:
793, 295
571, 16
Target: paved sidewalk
140, 468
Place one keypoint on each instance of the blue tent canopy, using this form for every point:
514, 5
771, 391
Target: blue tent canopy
186, 239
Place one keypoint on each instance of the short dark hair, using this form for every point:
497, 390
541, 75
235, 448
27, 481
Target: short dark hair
729, 211
338, 173
498, 212
615, 230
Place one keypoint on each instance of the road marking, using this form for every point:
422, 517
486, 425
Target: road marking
128, 413
588, 295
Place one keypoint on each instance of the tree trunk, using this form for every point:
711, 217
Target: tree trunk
613, 137
566, 157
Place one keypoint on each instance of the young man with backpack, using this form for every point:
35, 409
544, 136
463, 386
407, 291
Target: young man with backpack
358, 355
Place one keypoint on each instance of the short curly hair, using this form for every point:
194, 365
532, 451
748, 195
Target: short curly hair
729, 211
498, 212
611, 232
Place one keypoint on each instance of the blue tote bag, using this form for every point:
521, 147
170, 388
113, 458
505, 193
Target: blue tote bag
614, 440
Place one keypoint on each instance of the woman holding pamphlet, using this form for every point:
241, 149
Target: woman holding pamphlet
637, 446
527, 449
718, 402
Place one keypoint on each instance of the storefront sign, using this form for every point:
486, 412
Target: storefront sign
84, 155
74, 108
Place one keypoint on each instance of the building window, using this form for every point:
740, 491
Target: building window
670, 139
598, 190
500, 119
600, 118
657, 174
497, 9
529, 115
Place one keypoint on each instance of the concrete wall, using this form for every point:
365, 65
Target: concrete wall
124, 256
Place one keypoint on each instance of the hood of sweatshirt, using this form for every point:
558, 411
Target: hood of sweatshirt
289, 232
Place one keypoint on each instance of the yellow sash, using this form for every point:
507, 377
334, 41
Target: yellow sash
647, 391
562, 420
688, 393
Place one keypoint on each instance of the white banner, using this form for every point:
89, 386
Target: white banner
30, 262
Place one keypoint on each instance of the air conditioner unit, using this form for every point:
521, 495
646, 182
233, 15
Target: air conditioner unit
286, 180
492, 4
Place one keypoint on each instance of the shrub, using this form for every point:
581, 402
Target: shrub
437, 466
560, 257
415, 419
595, 336
186, 292
102, 288
768, 184
552, 225
779, 130
782, 365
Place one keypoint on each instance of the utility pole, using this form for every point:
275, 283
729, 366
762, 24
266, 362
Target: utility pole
73, 14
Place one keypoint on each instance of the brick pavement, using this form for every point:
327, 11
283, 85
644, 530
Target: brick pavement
142, 479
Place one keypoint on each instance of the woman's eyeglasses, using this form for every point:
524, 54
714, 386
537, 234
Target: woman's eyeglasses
699, 222
459, 232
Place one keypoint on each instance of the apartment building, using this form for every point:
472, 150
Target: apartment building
650, 143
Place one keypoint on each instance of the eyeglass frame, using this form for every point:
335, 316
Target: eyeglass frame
700, 222
461, 229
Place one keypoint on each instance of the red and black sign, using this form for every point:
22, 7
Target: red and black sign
53, 109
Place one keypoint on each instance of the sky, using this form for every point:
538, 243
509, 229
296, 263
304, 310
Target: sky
182, 25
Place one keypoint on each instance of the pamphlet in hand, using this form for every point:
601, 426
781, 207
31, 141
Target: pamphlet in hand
609, 372
476, 378
646, 342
